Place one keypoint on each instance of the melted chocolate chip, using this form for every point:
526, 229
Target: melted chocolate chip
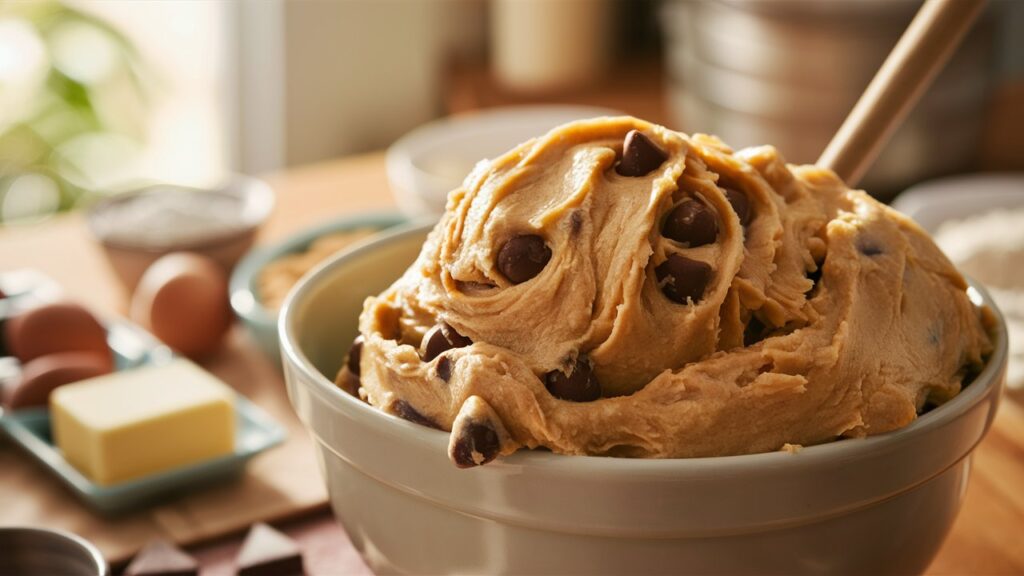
441, 338
740, 204
691, 223
354, 353
523, 257
444, 368
640, 155
477, 439
869, 248
404, 410
683, 279
578, 386
576, 222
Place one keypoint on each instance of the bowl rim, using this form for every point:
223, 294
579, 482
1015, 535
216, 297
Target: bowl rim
837, 452
253, 191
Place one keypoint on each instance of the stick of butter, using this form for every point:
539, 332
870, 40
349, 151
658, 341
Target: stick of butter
137, 422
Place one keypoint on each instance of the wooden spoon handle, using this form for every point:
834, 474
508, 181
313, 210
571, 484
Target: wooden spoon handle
906, 74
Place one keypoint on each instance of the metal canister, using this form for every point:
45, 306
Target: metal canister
786, 72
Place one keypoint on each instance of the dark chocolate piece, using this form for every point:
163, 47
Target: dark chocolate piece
476, 444
523, 257
640, 155
267, 552
354, 354
161, 558
691, 223
580, 385
405, 411
740, 204
442, 338
444, 368
683, 279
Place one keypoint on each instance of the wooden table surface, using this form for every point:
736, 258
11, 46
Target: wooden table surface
988, 537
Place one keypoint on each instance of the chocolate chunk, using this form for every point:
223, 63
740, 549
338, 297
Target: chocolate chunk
444, 368
441, 338
683, 279
640, 155
354, 354
578, 386
740, 204
161, 558
476, 444
523, 257
691, 223
405, 411
267, 552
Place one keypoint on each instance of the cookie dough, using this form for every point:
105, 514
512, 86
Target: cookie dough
616, 288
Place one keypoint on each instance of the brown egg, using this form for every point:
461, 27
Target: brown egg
53, 328
183, 300
44, 374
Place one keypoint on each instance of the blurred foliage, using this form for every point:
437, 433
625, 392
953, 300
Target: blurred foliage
84, 85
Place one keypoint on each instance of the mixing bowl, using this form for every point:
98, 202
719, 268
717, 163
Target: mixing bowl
879, 505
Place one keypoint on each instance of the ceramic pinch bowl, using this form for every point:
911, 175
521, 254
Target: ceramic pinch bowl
878, 505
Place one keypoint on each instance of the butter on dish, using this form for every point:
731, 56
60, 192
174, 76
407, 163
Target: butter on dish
137, 422
616, 288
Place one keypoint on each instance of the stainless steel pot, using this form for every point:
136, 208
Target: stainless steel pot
43, 552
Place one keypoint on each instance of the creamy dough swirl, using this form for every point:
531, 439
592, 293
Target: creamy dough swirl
827, 315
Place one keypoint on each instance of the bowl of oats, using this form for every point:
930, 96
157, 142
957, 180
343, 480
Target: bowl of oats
262, 279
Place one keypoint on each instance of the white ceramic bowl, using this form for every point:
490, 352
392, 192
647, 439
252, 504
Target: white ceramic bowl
879, 505
428, 162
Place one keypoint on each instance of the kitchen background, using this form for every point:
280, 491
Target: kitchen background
96, 96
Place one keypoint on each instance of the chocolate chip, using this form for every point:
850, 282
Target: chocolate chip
523, 257
405, 411
640, 155
441, 338
444, 368
476, 445
578, 386
691, 223
354, 354
740, 204
681, 278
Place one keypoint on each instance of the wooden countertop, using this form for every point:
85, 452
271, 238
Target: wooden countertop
985, 539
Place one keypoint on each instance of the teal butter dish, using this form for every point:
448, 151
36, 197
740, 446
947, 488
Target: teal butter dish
133, 347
